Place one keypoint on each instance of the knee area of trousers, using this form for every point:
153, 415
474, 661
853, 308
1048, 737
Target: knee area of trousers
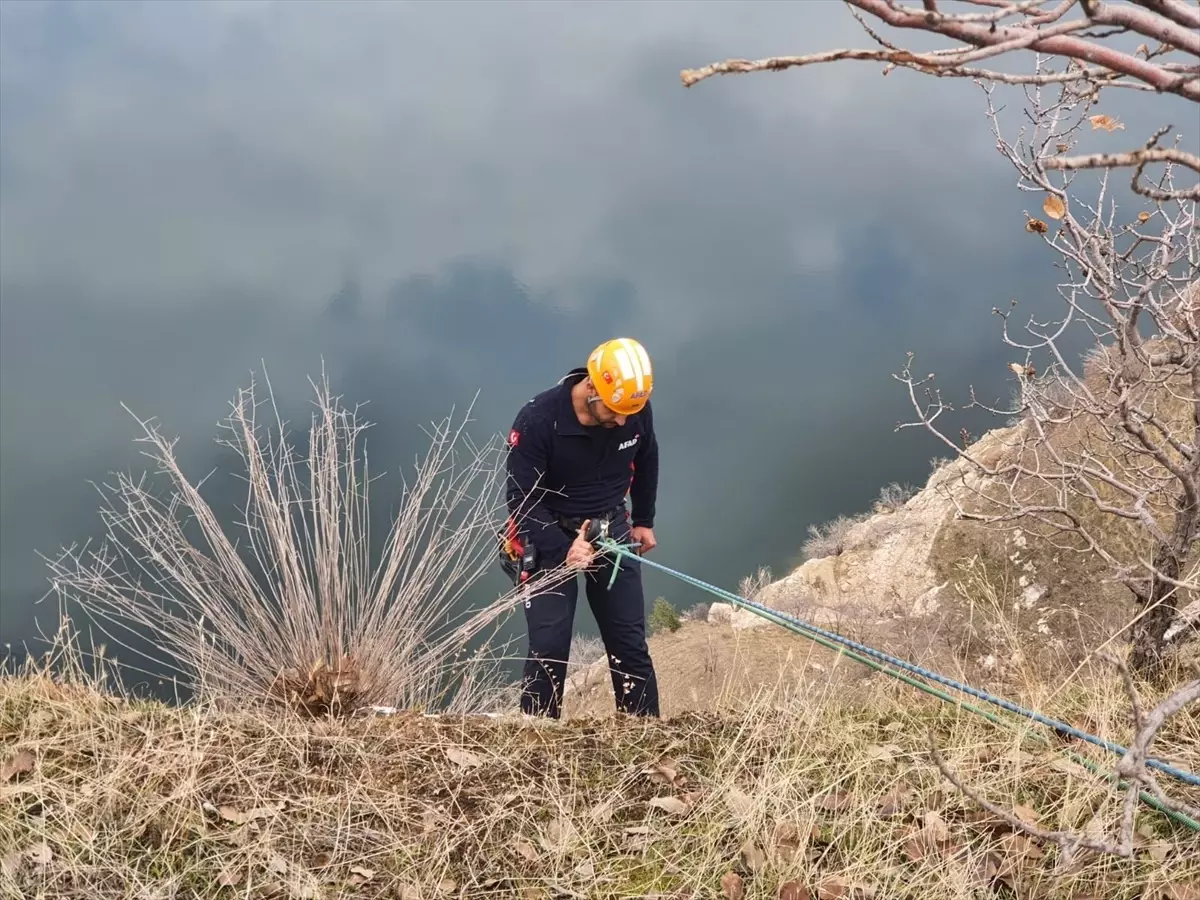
633, 657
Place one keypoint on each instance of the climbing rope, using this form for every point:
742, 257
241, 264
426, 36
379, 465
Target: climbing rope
859, 652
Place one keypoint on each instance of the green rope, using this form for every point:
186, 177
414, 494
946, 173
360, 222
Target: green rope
1092, 767
1147, 798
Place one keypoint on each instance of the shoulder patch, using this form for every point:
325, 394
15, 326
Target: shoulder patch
514, 438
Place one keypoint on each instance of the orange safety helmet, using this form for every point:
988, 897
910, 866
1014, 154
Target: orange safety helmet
621, 373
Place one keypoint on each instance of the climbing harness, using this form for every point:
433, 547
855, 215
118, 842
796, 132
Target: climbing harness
863, 654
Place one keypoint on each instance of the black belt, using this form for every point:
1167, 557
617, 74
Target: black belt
572, 526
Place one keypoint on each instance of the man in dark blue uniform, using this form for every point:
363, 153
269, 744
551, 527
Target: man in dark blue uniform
576, 451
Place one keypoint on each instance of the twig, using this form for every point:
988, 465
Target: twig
1131, 767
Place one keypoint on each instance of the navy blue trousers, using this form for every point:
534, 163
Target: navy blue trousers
620, 612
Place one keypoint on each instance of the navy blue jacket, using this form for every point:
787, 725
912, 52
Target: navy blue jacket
559, 468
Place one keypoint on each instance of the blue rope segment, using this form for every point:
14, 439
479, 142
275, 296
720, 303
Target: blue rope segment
1061, 727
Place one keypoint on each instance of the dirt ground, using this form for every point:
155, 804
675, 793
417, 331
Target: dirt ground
704, 667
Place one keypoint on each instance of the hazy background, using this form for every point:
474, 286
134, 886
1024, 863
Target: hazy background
439, 199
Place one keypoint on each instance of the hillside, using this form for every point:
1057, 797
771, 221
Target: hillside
801, 795
780, 769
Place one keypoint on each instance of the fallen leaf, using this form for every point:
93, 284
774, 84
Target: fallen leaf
786, 840
1178, 891
1036, 225
586, 869
276, 864
739, 802
447, 886
914, 844
1068, 767
464, 758
1015, 851
39, 854
233, 814
836, 801
1108, 123
1159, 850
883, 752
527, 850
406, 891
673, 805
731, 886
229, 877
665, 771
837, 888
1143, 216
1026, 814
892, 803
21, 763
560, 834
753, 856
360, 875
1053, 206
935, 828
984, 871
793, 890
602, 812
10, 864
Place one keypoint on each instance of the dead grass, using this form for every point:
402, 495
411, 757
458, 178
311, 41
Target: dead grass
799, 792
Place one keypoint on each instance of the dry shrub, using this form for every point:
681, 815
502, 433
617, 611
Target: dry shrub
893, 496
295, 609
829, 539
751, 585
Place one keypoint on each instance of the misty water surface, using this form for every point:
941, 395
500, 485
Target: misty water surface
440, 199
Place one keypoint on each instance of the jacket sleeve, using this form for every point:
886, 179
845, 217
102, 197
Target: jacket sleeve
644, 490
526, 464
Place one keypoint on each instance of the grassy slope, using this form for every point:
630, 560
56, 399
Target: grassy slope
821, 791
828, 791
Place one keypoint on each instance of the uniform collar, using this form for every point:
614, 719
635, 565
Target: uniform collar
566, 422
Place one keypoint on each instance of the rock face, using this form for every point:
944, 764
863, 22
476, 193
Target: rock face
884, 571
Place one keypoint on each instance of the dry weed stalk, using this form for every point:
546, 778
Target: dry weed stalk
298, 611
1131, 767
1123, 483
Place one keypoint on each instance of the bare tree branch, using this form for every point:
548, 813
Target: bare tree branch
1132, 768
1178, 12
983, 37
1091, 63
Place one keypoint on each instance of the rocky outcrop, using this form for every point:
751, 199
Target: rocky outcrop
885, 571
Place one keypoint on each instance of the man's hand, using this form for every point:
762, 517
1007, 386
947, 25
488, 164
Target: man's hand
645, 536
581, 552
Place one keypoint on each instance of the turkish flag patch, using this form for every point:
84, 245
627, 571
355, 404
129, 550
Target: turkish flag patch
514, 438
